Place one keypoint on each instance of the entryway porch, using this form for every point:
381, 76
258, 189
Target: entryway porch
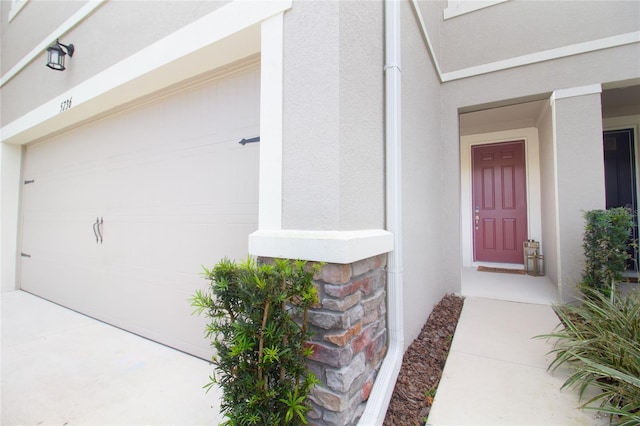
509, 287
569, 170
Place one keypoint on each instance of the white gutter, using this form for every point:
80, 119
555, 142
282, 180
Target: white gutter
380, 396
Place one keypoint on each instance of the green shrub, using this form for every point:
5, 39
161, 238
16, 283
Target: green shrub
259, 330
605, 242
599, 340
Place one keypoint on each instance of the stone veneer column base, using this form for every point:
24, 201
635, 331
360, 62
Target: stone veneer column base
350, 338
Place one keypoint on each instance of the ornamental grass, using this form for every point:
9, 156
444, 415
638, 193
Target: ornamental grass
599, 341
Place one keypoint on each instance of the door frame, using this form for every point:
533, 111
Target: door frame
532, 178
506, 241
623, 123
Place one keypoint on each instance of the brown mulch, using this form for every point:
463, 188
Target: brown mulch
422, 366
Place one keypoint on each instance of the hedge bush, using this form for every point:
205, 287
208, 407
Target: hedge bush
606, 239
259, 331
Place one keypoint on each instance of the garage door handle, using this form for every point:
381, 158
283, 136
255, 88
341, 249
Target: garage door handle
97, 230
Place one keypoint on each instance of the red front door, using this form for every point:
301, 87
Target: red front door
499, 202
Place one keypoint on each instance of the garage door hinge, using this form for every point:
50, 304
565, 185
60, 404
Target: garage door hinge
28, 181
25, 255
251, 140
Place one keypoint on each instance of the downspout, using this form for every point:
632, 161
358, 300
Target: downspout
380, 396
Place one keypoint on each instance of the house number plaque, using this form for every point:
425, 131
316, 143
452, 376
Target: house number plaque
65, 105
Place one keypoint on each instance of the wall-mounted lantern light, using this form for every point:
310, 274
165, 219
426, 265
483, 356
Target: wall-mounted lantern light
56, 53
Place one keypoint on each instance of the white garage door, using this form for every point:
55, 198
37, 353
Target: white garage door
174, 190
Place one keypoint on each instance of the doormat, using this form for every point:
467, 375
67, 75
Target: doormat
501, 270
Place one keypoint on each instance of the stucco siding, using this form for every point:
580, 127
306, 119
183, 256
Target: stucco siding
431, 14
333, 174
540, 79
113, 32
516, 28
362, 115
426, 237
311, 169
549, 202
36, 20
580, 177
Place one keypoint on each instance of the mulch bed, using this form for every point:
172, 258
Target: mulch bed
422, 366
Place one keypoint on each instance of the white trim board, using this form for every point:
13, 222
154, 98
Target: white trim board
529, 59
621, 122
225, 35
16, 7
321, 246
576, 91
460, 7
271, 123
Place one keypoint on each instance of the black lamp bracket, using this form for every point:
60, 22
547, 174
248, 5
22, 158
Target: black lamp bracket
69, 47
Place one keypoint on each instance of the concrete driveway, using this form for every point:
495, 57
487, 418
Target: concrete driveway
59, 367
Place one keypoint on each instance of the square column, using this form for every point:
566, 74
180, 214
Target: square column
579, 164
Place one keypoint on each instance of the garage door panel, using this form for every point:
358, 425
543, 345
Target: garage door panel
153, 311
223, 175
61, 235
43, 197
69, 283
156, 241
175, 190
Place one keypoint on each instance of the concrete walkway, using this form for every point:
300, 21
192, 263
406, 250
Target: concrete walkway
496, 374
62, 368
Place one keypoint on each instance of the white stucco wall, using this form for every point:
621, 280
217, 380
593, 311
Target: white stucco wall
29, 27
549, 198
514, 28
427, 237
333, 142
579, 178
362, 115
114, 31
311, 152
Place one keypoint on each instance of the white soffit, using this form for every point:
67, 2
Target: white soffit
321, 246
225, 35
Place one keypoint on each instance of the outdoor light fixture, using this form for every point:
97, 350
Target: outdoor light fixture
56, 54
